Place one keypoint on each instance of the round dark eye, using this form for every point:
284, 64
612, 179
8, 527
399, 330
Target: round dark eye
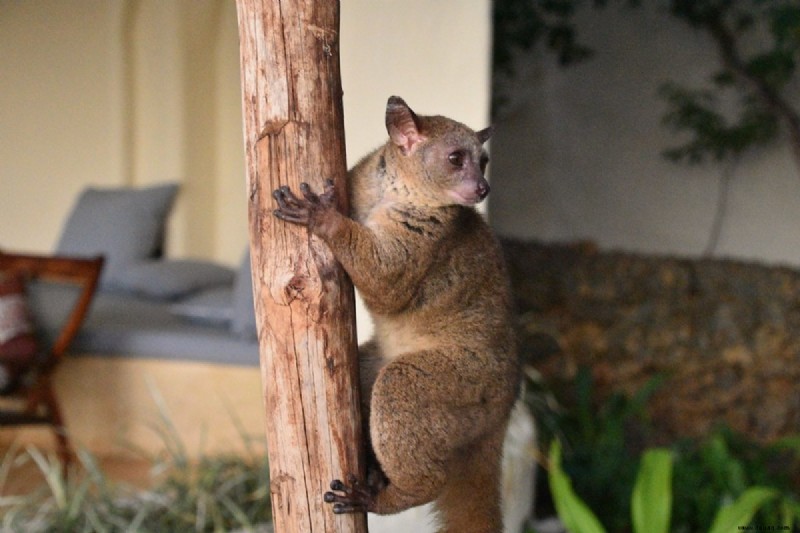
456, 159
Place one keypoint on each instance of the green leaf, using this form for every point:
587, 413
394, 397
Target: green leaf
790, 512
741, 511
574, 514
791, 442
775, 68
785, 24
651, 502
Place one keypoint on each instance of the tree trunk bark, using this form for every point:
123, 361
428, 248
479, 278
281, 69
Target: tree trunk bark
294, 132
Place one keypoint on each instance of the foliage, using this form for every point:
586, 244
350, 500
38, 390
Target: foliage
651, 499
64, 503
748, 98
721, 467
712, 135
519, 25
574, 513
603, 443
219, 493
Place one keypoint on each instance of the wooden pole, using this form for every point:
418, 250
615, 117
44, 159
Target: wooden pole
294, 132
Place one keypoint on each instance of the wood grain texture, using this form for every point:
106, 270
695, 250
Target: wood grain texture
294, 132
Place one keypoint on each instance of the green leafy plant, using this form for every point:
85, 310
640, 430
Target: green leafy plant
651, 499
602, 441
574, 513
722, 466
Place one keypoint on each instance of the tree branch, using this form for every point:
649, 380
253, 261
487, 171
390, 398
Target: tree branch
771, 98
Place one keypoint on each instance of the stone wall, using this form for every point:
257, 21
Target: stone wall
725, 335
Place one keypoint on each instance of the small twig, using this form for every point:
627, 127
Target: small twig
722, 207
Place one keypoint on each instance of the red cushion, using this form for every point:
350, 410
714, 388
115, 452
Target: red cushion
18, 345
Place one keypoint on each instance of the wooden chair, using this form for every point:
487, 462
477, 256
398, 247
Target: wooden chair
35, 400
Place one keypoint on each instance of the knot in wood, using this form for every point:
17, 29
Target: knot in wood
295, 286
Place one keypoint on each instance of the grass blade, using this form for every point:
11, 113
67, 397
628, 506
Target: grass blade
53, 475
573, 512
741, 511
651, 501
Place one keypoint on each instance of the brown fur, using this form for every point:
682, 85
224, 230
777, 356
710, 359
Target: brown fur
441, 375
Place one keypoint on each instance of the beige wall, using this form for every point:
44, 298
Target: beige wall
433, 53
133, 92
59, 112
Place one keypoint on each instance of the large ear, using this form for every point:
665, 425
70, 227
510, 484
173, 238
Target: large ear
484, 134
402, 124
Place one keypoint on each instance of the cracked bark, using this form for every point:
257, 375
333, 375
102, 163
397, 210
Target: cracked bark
294, 132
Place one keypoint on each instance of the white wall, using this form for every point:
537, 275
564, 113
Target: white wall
577, 155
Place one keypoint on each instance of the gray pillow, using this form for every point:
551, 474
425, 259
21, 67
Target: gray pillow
244, 314
170, 279
210, 306
125, 225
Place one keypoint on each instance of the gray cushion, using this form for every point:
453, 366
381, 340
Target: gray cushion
123, 325
123, 224
173, 278
244, 315
210, 306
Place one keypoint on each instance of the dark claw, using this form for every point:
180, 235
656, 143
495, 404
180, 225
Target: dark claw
284, 194
341, 508
354, 498
290, 217
328, 196
305, 208
309, 196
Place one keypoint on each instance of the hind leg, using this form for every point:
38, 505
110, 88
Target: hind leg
424, 407
414, 476
471, 501
370, 363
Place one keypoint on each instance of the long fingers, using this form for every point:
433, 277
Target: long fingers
348, 498
308, 194
290, 207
